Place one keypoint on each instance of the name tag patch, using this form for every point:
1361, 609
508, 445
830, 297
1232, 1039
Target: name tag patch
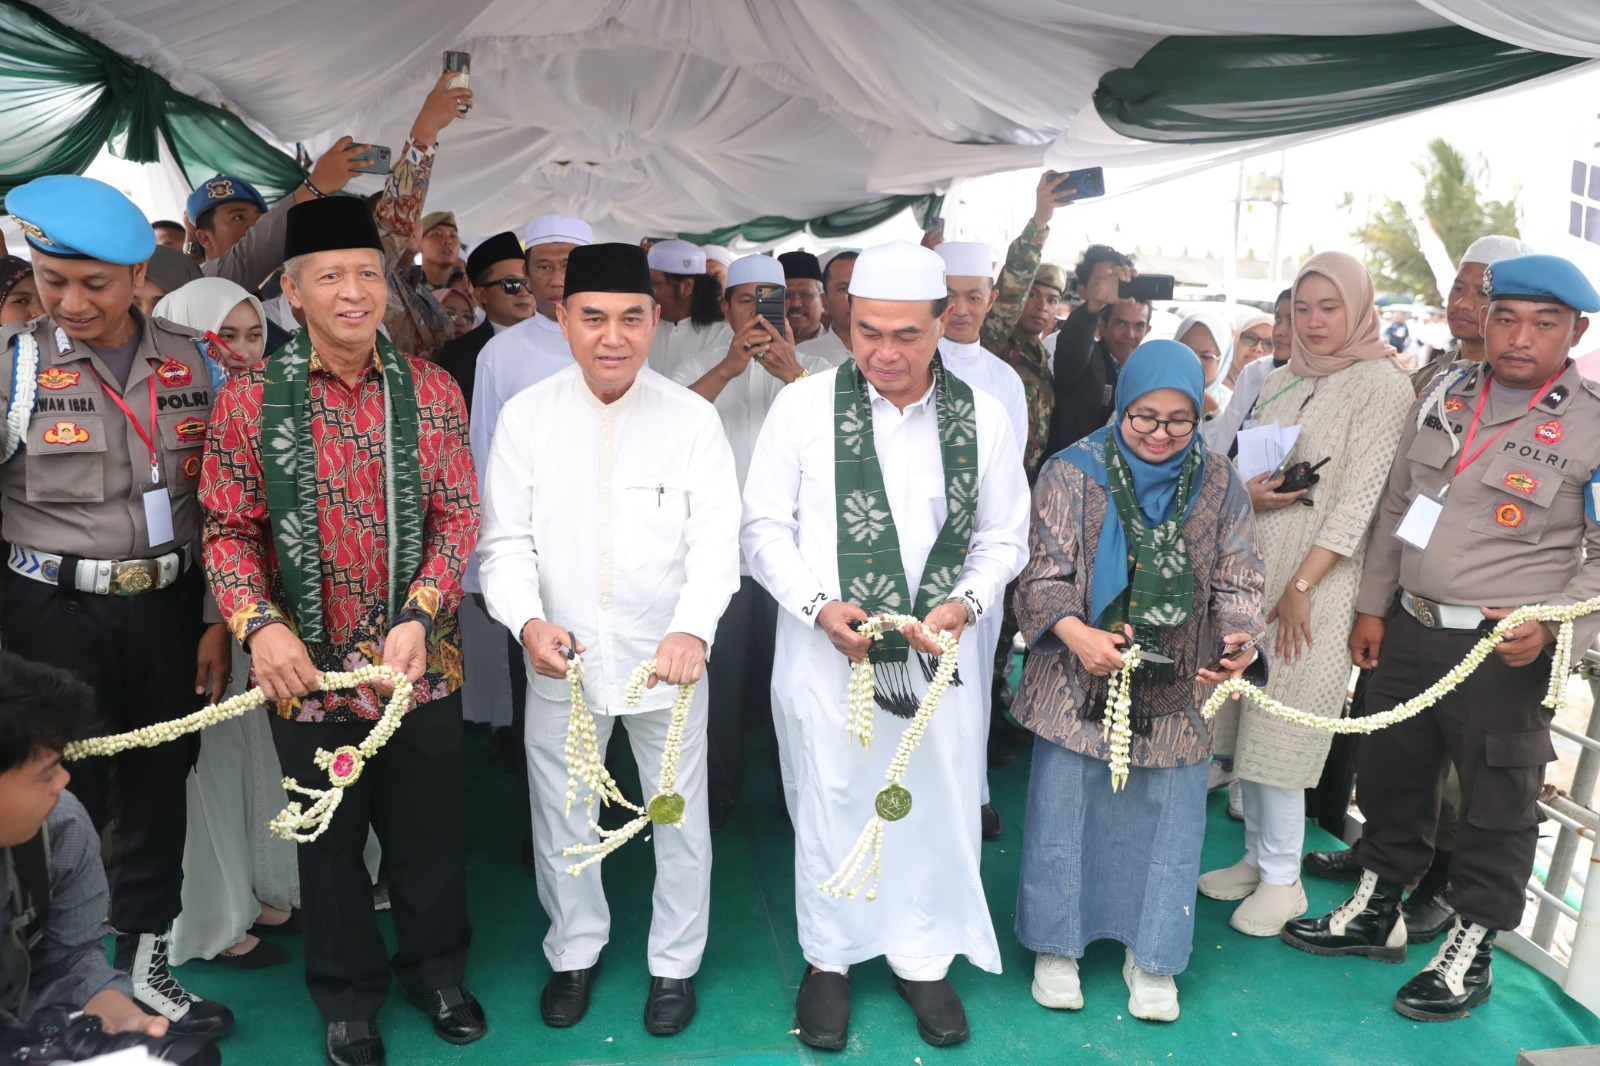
55, 378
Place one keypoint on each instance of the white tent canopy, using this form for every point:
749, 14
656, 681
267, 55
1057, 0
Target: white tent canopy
648, 116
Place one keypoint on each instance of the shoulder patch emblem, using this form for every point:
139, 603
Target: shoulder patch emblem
1453, 404
191, 429
1508, 515
174, 375
55, 378
191, 467
1549, 433
1522, 481
66, 433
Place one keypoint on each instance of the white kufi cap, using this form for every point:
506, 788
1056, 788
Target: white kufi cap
718, 253
677, 257
966, 259
1487, 250
898, 270
759, 269
557, 229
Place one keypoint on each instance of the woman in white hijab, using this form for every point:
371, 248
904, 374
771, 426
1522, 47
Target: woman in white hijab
237, 876
1209, 334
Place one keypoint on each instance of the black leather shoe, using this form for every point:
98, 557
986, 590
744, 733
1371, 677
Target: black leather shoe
264, 954
990, 818
822, 1009
1339, 865
355, 1044
670, 1006
456, 1014
941, 1020
1001, 754
1368, 923
1428, 913
1457, 979
565, 999
719, 812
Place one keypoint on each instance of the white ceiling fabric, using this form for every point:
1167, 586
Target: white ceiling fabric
648, 116
1564, 27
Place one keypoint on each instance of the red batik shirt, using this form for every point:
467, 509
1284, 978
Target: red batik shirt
352, 521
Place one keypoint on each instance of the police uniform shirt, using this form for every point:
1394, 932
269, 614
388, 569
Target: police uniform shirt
76, 485
1513, 529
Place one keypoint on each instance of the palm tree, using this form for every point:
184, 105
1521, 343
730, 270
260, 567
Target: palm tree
1452, 205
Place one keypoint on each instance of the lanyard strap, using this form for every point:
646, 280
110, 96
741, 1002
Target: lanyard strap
1467, 454
1268, 401
147, 438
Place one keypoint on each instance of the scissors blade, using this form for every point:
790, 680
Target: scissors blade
1147, 656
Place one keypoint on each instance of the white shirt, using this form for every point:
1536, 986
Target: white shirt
987, 372
523, 355
825, 347
617, 521
498, 329
1220, 433
676, 341
743, 402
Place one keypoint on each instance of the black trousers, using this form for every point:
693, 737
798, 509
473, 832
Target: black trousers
1496, 732
139, 653
410, 794
740, 672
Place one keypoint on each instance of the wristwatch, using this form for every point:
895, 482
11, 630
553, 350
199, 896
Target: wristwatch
1302, 585
972, 612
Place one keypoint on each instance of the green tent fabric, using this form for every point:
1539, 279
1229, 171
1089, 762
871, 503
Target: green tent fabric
64, 96
844, 223
1214, 90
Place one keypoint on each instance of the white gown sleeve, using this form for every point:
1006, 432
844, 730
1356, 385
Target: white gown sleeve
711, 567
507, 552
999, 546
771, 533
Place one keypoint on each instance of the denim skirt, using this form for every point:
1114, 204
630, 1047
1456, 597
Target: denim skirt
1099, 865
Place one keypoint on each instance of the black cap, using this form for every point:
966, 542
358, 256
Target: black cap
609, 268
330, 224
497, 249
800, 266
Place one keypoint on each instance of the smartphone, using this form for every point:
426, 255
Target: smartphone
935, 225
1150, 287
1078, 184
1228, 656
375, 160
770, 305
460, 64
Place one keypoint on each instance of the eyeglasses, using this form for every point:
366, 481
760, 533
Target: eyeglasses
1251, 340
511, 284
458, 316
1175, 427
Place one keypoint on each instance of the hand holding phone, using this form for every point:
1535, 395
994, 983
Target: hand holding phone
1229, 657
1077, 184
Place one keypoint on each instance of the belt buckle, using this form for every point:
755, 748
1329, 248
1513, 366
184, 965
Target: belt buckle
1426, 613
132, 578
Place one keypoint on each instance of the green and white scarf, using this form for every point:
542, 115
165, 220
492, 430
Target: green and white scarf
871, 572
1160, 591
289, 464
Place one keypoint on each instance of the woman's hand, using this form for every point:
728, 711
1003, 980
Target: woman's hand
1293, 615
1264, 495
1231, 668
1100, 652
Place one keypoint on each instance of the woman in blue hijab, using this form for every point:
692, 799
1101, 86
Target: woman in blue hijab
1138, 536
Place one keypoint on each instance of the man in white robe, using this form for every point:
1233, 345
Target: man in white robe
611, 518
832, 345
741, 379
969, 280
930, 904
690, 301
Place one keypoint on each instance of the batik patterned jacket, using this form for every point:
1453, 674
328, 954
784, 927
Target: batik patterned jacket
1025, 353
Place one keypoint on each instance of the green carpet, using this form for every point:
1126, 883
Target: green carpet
1245, 1001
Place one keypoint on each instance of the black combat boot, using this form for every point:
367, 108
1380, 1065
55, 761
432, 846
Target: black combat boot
1457, 979
1427, 910
143, 957
1368, 923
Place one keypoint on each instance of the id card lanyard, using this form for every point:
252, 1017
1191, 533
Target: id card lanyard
157, 501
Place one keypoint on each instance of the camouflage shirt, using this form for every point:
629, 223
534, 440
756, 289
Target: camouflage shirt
1023, 352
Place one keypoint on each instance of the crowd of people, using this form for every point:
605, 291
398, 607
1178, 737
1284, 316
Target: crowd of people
274, 441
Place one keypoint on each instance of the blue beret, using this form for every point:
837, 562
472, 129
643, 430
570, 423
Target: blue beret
1542, 279
220, 190
74, 217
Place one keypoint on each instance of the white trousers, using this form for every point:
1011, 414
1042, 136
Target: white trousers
1274, 830
580, 920
910, 967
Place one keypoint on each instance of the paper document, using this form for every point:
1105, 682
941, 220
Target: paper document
1264, 448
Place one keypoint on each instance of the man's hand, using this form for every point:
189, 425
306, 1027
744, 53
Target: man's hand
1044, 198
439, 109
334, 168
834, 620
776, 354
934, 237
119, 1014
680, 660
1522, 645
544, 641
1099, 651
215, 662
282, 665
405, 649
1104, 285
1264, 494
1366, 637
948, 617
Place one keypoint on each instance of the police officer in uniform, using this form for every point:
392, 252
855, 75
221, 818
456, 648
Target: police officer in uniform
105, 421
1489, 507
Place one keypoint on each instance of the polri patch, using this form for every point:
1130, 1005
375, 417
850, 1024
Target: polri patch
191, 429
1509, 515
1522, 481
55, 378
191, 467
1549, 433
174, 374
64, 432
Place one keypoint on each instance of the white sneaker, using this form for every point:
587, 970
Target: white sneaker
1235, 882
1151, 996
1265, 911
1055, 982
1236, 800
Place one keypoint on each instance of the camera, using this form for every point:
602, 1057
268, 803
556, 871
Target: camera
57, 1034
